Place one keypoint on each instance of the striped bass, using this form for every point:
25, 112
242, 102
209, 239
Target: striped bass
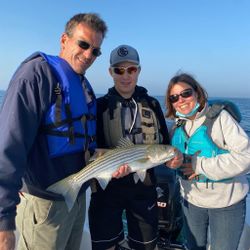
138, 157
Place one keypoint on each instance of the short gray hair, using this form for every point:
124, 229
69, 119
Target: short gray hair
93, 20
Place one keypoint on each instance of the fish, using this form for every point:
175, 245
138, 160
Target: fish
139, 158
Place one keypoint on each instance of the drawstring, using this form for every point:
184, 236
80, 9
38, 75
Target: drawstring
135, 114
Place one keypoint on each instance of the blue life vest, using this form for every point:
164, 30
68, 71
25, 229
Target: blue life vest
201, 139
70, 123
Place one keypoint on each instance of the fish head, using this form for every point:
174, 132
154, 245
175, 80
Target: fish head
160, 153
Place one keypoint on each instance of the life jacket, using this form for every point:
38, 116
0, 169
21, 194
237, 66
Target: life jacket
116, 122
201, 139
70, 122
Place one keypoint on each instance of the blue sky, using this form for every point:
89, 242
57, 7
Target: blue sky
209, 39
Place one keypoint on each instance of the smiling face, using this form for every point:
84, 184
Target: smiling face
185, 104
125, 83
80, 59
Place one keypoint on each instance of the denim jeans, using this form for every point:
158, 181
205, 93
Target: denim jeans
225, 226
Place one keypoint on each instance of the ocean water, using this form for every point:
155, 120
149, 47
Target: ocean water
1, 96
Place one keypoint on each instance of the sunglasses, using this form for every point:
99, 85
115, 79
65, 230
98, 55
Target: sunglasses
184, 94
121, 70
85, 46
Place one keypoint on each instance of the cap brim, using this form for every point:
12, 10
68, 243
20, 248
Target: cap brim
120, 61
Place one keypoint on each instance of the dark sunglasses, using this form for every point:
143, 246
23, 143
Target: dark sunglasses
85, 46
184, 94
121, 70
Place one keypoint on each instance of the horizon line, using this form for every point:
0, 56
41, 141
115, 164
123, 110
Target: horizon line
157, 95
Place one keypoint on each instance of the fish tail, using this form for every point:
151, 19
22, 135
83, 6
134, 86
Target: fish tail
69, 190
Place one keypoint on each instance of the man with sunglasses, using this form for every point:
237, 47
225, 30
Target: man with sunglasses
127, 111
47, 132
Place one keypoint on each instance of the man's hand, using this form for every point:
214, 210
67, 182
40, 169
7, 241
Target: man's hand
176, 162
7, 240
121, 172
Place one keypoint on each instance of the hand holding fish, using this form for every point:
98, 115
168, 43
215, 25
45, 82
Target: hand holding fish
138, 159
175, 162
122, 171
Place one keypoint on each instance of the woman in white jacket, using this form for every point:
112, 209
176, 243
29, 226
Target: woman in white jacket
213, 179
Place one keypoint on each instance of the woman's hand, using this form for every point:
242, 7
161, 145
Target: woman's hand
176, 162
188, 171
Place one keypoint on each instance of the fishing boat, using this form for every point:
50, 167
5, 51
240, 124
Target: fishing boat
86, 239
244, 242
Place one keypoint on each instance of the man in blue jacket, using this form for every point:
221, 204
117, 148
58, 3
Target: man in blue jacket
47, 132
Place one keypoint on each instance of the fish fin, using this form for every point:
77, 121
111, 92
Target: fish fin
136, 177
141, 174
98, 152
103, 181
68, 189
124, 142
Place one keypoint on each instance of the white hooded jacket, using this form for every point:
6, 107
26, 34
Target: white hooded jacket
227, 134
